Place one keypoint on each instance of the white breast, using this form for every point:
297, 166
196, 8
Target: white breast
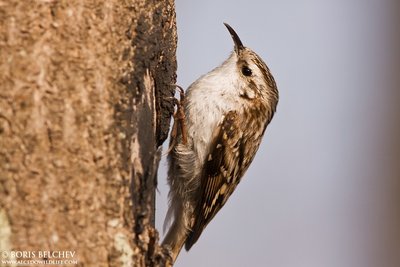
207, 100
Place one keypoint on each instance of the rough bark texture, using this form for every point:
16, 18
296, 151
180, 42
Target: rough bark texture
84, 104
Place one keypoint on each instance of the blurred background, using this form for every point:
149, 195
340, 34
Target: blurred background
324, 188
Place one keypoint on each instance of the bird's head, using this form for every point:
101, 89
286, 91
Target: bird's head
255, 78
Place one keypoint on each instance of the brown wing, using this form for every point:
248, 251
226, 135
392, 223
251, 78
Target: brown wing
226, 162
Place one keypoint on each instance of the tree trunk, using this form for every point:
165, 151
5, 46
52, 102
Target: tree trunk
85, 103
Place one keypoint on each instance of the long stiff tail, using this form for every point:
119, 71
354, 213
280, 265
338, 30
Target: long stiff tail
176, 237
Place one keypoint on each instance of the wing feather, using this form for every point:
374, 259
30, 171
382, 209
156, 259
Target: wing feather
221, 174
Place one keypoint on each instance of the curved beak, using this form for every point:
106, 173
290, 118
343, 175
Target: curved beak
238, 43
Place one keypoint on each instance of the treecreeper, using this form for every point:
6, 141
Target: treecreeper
218, 128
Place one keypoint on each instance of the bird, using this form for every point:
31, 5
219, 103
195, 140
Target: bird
223, 117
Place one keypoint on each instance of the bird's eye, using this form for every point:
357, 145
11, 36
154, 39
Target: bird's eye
246, 71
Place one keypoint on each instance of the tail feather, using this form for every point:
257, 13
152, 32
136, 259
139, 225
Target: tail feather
168, 219
175, 238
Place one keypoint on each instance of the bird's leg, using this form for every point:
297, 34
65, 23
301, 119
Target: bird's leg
179, 117
179, 120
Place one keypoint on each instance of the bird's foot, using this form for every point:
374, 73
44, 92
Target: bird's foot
179, 120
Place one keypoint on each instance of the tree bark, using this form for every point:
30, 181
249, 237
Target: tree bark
85, 103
